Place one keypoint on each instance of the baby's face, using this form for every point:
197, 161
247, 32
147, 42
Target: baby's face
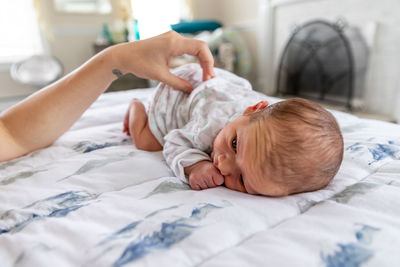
234, 155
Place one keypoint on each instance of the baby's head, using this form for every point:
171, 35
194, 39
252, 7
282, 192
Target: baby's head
289, 147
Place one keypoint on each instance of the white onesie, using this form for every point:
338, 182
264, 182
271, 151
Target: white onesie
187, 124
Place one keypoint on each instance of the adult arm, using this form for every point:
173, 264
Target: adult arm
41, 118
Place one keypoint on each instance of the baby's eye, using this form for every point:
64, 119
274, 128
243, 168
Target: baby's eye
234, 142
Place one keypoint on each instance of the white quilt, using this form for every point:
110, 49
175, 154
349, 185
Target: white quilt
93, 199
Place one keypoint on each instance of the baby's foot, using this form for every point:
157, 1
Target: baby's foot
125, 128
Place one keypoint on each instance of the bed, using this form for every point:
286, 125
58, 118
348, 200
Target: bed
93, 199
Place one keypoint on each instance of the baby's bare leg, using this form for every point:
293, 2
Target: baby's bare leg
139, 129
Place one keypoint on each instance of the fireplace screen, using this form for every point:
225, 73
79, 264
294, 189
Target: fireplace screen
319, 62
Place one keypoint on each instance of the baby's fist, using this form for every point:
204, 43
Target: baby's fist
203, 175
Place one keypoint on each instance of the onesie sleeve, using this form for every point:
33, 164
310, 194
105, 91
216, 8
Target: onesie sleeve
188, 145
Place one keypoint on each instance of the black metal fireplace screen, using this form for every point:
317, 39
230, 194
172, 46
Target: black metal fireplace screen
319, 62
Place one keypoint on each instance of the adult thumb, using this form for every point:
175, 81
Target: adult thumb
176, 82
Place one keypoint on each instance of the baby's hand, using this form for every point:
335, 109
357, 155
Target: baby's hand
203, 175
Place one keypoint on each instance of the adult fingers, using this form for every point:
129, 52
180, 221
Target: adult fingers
207, 64
176, 82
200, 50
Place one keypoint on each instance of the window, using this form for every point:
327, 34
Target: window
155, 16
19, 31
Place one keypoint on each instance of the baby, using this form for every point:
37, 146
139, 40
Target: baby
225, 133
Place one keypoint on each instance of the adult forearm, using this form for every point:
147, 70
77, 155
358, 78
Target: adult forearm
40, 119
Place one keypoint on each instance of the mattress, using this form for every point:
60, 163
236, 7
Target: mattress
93, 199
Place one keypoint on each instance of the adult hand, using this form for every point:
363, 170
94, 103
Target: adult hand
35, 122
150, 58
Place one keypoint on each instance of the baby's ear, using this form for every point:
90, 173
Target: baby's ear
257, 107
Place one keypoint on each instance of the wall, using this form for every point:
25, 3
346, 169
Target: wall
73, 35
255, 19
72, 43
242, 15
382, 94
